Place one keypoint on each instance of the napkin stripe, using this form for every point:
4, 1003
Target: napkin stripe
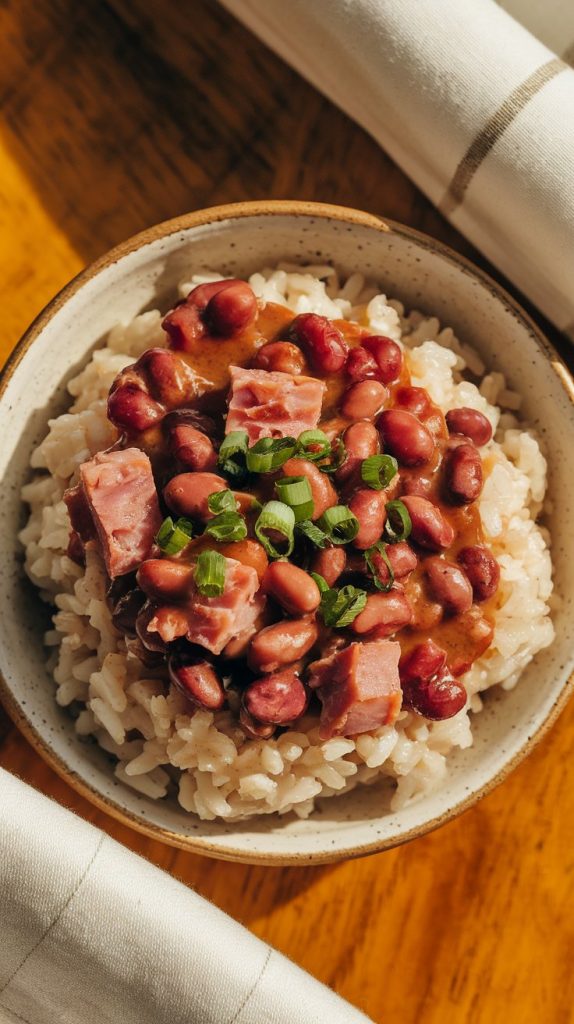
244, 1003
494, 129
53, 923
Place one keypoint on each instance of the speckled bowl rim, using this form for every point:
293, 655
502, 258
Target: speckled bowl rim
234, 211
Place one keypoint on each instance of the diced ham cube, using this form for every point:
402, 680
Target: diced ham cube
359, 688
120, 492
272, 404
212, 622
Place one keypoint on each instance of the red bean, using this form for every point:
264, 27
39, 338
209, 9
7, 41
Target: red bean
132, 409
202, 293
322, 491
198, 680
281, 357
402, 558
437, 698
405, 438
471, 423
293, 588
422, 662
282, 644
430, 529
187, 493
184, 328
126, 610
387, 355
482, 570
364, 399
254, 730
191, 418
231, 309
192, 448
248, 552
276, 699
463, 474
448, 585
323, 344
414, 400
369, 508
361, 365
167, 375
361, 440
383, 615
164, 578
419, 485
330, 563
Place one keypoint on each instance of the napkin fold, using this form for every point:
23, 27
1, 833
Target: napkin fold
91, 933
472, 106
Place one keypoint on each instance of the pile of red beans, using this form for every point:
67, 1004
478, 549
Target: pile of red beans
441, 603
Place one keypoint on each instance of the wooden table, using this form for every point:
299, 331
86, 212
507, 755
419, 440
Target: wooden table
118, 114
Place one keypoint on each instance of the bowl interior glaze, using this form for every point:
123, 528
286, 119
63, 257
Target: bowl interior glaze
143, 274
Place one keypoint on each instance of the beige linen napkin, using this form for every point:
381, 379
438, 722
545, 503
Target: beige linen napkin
91, 933
474, 108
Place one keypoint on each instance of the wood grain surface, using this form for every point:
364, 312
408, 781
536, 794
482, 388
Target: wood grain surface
115, 115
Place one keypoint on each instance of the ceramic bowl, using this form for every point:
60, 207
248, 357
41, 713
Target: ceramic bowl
237, 240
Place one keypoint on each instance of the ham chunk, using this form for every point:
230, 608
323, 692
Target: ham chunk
212, 622
273, 404
121, 495
359, 688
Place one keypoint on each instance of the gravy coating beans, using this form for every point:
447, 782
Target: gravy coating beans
323, 493
231, 309
383, 615
282, 644
422, 662
187, 493
482, 570
191, 447
370, 509
131, 409
448, 585
402, 558
430, 529
199, 681
405, 437
292, 588
164, 578
414, 400
276, 699
364, 399
463, 474
387, 355
471, 423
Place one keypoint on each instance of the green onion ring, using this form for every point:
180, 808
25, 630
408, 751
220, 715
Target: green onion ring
231, 457
270, 453
295, 491
378, 470
209, 573
221, 501
398, 526
174, 537
277, 516
312, 532
339, 523
227, 526
313, 445
381, 549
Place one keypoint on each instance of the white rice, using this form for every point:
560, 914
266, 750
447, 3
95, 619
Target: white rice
202, 757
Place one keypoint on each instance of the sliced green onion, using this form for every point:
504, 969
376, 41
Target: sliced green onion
378, 470
312, 532
174, 537
336, 458
227, 526
221, 501
276, 518
398, 525
340, 607
380, 549
231, 457
340, 525
209, 573
269, 453
320, 581
295, 491
313, 445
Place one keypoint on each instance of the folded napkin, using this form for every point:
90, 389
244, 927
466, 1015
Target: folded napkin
89, 932
474, 108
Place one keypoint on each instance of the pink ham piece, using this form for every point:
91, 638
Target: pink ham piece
273, 404
212, 622
359, 688
120, 492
